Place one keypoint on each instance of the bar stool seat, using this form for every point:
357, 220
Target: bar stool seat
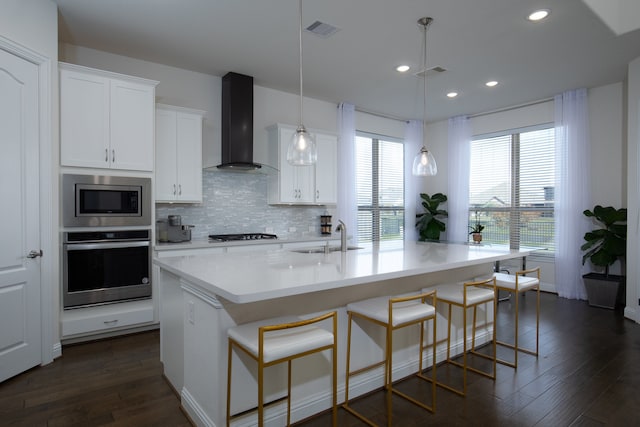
466, 295
278, 340
518, 284
393, 313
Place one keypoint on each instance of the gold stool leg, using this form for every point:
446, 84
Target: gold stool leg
260, 392
464, 351
389, 352
229, 383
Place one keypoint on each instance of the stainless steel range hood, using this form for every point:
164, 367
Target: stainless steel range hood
237, 123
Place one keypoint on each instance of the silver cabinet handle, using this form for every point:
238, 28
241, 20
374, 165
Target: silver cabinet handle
180, 189
34, 254
317, 194
106, 154
174, 189
110, 322
113, 156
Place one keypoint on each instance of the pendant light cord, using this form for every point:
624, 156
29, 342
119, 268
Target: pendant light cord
300, 58
425, 24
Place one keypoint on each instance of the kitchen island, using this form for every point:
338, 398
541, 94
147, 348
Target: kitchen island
202, 296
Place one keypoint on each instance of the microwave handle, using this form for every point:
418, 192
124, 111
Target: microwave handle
105, 245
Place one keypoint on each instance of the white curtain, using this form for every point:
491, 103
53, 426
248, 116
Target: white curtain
413, 185
347, 209
572, 191
458, 178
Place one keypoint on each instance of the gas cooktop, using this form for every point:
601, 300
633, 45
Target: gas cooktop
242, 236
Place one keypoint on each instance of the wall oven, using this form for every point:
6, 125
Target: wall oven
102, 201
109, 259
103, 267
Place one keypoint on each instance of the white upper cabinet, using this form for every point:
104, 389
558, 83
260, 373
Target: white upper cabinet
302, 185
106, 119
326, 169
178, 154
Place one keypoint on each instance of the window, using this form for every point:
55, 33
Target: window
511, 188
379, 188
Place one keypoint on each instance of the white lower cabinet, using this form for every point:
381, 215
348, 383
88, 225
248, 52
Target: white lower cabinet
106, 318
302, 185
178, 154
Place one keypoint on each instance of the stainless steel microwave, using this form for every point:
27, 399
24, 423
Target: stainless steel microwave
104, 201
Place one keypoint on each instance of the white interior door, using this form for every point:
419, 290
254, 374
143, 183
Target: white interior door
20, 326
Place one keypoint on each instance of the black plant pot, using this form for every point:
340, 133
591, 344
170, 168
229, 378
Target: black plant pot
605, 291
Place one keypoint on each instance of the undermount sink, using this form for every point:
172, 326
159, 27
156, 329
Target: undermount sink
321, 249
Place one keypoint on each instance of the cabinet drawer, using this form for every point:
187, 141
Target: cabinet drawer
104, 318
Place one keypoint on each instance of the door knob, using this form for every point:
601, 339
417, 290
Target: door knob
34, 254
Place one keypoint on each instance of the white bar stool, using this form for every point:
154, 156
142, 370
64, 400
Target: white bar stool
469, 295
278, 340
394, 313
517, 284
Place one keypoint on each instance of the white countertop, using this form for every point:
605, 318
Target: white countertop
262, 275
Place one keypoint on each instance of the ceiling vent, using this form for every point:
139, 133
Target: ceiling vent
430, 72
321, 29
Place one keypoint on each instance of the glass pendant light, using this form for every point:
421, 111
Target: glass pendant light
302, 149
424, 164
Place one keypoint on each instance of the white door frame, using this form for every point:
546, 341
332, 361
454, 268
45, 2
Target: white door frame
49, 279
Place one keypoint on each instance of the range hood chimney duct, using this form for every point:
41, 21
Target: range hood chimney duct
237, 123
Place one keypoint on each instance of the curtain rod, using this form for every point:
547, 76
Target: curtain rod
471, 116
384, 116
514, 107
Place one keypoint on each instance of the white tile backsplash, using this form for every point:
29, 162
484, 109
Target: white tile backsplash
236, 202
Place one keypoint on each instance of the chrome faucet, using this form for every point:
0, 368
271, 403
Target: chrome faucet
343, 235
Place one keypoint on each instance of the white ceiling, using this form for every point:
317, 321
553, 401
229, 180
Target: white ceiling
475, 41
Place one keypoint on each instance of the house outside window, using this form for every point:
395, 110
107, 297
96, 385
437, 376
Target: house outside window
511, 187
379, 188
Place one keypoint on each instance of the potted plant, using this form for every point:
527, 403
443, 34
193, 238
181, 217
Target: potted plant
476, 230
428, 224
603, 247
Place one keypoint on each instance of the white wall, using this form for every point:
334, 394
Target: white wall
608, 145
632, 310
34, 25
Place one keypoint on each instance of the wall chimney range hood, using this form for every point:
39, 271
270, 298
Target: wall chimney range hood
237, 123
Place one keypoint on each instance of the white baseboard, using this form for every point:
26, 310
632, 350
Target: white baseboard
194, 411
632, 313
57, 350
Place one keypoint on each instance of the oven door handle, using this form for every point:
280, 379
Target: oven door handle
106, 245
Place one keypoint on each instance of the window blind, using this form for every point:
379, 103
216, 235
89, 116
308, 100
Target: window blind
379, 188
511, 189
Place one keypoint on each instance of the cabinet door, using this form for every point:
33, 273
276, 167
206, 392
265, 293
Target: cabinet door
189, 157
289, 192
132, 125
166, 171
326, 169
84, 120
306, 183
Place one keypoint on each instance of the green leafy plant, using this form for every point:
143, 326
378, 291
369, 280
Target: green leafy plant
607, 244
477, 227
428, 224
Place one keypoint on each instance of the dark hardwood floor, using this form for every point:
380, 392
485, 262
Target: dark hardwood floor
587, 374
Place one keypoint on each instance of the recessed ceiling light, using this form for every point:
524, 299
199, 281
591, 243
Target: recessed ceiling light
402, 68
538, 15
491, 83
452, 94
